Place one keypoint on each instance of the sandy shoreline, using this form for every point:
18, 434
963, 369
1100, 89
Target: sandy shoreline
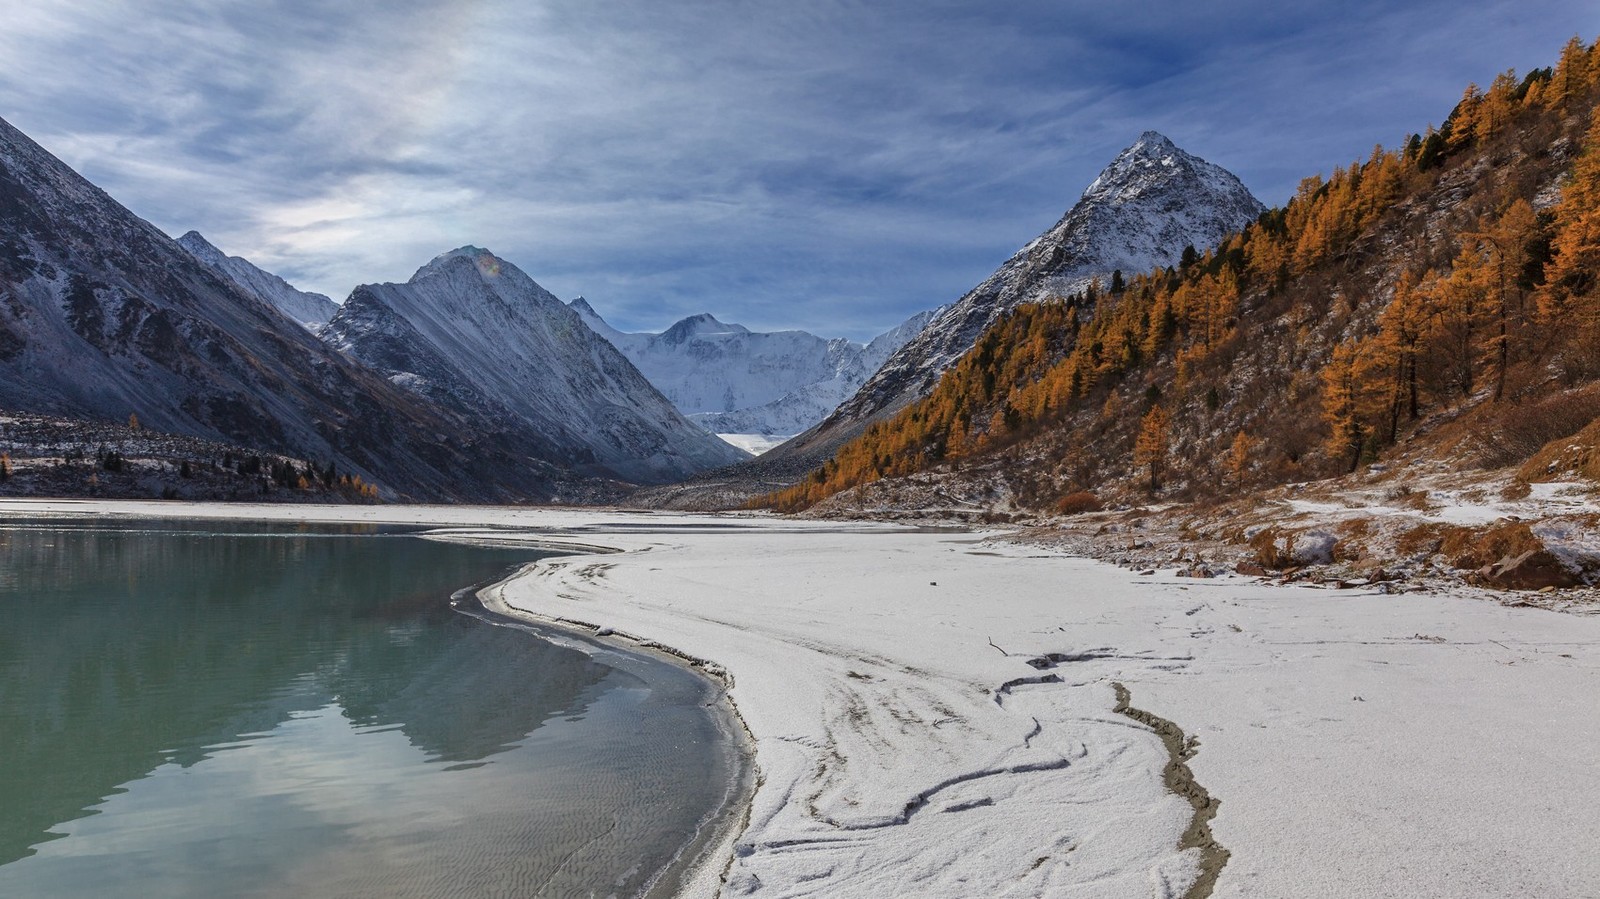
934, 714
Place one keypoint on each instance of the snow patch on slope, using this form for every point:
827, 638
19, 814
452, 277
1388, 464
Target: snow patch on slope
755, 444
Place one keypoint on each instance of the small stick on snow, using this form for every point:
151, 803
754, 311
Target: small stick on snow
1002, 652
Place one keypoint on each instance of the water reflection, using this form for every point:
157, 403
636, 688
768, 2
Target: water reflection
169, 682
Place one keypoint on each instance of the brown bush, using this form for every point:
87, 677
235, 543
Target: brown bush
1409, 497
1473, 548
1565, 456
1355, 527
1353, 534
1423, 540
1519, 432
1270, 552
1078, 503
1517, 489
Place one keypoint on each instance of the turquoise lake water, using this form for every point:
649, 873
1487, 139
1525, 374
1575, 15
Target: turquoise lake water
251, 710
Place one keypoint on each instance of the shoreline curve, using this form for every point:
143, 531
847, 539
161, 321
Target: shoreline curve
700, 866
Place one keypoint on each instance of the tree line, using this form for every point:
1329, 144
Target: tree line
1514, 285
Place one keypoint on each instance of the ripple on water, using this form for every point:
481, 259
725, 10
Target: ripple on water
193, 713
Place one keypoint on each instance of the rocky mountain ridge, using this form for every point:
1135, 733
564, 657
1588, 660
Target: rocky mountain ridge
1143, 210
310, 310
104, 318
470, 331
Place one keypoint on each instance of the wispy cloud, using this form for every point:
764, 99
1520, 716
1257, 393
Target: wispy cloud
834, 165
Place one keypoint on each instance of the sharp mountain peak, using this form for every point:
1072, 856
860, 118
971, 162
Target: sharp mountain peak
488, 265
1152, 142
704, 323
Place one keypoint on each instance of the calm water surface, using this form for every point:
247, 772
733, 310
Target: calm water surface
215, 710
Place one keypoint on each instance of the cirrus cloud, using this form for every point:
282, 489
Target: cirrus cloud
834, 165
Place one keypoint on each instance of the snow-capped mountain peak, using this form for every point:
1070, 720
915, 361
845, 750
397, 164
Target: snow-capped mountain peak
732, 380
473, 269
310, 310
1154, 164
488, 264
703, 325
1153, 143
1146, 206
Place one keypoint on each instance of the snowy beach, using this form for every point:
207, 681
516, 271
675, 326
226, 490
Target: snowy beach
936, 713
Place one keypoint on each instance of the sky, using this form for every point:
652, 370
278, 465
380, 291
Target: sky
835, 165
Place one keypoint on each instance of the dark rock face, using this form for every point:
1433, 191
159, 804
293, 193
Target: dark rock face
1531, 570
102, 315
473, 333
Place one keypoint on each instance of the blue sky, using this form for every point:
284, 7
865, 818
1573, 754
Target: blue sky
834, 166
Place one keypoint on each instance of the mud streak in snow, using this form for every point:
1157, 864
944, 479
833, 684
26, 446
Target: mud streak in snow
1179, 779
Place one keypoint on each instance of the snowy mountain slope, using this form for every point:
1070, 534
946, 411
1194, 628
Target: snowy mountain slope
705, 365
1151, 202
310, 310
474, 333
103, 316
731, 380
803, 407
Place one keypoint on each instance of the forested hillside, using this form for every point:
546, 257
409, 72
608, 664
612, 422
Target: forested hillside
1442, 295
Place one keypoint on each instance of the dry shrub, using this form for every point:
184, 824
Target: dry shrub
1350, 551
1355, 527
1519, 432
1578, 360
1078, 503
1417, 499
1564, 456
1473, 548
1406, 496
1270, 551
1423, 540
1353, 534
1517, 489
1296, 547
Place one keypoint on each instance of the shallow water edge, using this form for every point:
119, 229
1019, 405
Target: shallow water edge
699, 867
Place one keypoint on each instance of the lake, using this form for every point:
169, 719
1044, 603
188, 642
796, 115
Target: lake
279, 710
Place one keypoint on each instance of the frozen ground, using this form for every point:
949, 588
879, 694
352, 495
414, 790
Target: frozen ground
935, 713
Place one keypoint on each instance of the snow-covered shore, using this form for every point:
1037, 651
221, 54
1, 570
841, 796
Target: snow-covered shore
934, 713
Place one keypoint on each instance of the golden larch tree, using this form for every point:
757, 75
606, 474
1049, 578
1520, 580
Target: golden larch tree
1347, 401
1150, 448
1239, 455
1569, 298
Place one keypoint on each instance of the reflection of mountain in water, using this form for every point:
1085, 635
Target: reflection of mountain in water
460, 693
123, 650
